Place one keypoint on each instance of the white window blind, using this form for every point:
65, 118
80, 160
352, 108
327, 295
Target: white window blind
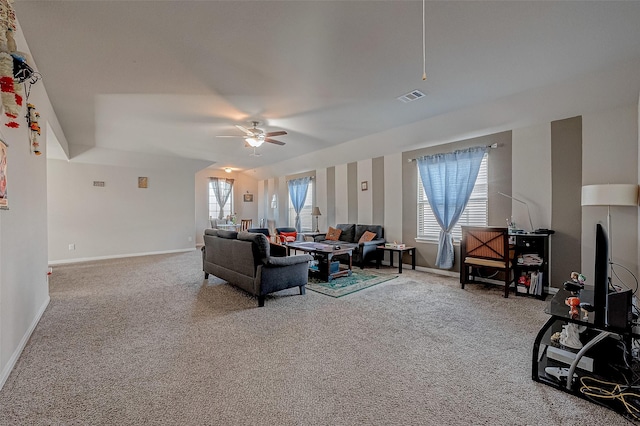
305, 213
475, 214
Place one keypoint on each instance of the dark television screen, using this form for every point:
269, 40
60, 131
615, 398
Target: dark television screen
601, 278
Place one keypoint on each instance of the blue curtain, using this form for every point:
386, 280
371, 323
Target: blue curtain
448, 181
298, 193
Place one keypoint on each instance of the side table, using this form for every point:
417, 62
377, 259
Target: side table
391, 250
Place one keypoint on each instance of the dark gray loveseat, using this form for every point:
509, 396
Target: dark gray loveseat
243, 259
350, 236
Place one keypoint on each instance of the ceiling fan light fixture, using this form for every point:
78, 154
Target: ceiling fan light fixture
227, 169
254, 142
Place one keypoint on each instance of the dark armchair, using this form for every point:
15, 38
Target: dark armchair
276, 249
289, 234
264, 231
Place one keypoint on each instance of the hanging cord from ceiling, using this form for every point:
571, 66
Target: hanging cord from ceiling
424, 48
33, 79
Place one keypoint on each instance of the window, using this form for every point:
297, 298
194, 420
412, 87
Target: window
305, 213
214, 208
475, 214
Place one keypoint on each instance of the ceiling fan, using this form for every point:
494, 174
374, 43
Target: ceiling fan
255, 137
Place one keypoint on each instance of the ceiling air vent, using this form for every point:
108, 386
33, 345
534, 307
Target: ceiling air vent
411, 96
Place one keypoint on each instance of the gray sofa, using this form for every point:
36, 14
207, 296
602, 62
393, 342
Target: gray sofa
350, 236
244, 260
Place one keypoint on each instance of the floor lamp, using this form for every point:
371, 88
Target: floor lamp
316, 212
610, 195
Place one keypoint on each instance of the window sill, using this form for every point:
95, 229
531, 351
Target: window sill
423, 240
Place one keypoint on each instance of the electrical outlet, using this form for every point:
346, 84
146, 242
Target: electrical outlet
72, 247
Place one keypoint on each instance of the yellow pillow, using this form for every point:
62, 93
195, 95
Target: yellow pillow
367, 236
333, 234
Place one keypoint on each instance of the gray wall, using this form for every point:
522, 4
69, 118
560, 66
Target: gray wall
352, 192
377, 189
566, 213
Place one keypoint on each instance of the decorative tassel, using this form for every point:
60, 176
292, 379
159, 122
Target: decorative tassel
34, 128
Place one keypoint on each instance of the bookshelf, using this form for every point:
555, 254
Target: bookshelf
531, 265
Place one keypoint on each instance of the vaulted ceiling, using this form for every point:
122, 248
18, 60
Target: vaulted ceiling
169, 77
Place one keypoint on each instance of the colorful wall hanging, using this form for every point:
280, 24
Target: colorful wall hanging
11, 100
14, 69
4, 202
34, 128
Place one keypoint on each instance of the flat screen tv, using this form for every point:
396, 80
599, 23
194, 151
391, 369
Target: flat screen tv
601, 277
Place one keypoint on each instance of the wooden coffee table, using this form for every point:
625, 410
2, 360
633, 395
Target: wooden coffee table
323, 253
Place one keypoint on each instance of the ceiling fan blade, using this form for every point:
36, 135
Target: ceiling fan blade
244, 129
278, 133
273, 141
229, 136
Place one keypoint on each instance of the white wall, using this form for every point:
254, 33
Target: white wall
242, 184
531, 175
24, 292
342, 195
610, 155
118, 219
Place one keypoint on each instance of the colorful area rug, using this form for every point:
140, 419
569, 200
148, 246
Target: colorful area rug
343, 286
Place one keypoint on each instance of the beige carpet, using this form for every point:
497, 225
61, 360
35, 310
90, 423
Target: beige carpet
147, 341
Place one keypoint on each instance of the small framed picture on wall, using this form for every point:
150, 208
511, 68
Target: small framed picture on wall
248, 198
364, 185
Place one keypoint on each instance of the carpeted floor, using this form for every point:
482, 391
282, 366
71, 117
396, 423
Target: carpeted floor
147, 341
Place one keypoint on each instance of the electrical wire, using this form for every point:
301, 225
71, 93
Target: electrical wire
626, 269
424, 48
479, 274
612, 392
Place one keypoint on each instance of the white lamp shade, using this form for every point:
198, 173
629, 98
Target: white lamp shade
610, 195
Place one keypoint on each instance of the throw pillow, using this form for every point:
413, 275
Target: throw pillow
367, 236
333, 234
289, 236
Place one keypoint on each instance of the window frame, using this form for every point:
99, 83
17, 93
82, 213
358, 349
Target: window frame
479, 200
213, 213
305, 213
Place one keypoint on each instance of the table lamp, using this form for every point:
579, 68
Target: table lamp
316, 212
526, 205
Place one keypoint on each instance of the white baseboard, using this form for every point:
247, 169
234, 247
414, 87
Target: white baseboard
434, 271
407, 267
117, 256
23, 342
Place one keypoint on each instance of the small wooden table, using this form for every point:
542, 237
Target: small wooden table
400, 251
